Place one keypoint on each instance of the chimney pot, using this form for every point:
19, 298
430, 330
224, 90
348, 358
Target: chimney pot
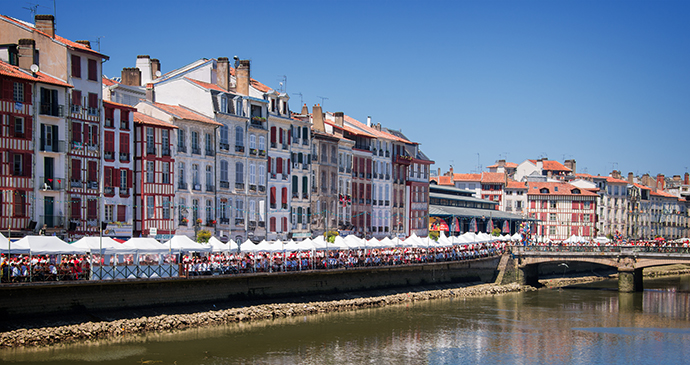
369, 121
305, 110
131, 76
243, 76
85, 43
317, 118
339, 117
223, 73
150, 93
155, 67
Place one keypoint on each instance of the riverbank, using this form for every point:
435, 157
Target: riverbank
171, 322
652, 272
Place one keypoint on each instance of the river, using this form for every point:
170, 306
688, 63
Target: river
592, 324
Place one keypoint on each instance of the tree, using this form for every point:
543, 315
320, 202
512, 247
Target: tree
330, 236
434, 235
496, 232
203, 236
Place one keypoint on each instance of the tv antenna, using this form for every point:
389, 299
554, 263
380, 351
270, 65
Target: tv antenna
283, 84
33, 8
322, 99
614, 165
98, 42
301, 102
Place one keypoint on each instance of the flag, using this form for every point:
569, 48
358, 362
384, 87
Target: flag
490, 226
456, 225
506, 227
473, 225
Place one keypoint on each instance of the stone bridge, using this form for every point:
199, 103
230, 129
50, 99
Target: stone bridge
629, 260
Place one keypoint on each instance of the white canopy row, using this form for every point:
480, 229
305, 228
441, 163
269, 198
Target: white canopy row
45, 245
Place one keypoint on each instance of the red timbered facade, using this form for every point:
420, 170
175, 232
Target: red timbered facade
562, 209
154, 175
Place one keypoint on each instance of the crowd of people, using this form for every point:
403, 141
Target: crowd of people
24, 268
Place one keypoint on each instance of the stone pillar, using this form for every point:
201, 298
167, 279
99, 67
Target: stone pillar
528, 275
629, 280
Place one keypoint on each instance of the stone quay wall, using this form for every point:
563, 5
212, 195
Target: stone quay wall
50, 299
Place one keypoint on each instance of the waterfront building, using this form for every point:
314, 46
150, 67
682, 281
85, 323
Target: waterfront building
508, 168
562, 210
324, 197
154, 191
116, 209
195, 167
301, 172
542, 170
279, 163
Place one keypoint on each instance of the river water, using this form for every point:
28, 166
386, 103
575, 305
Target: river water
593, 324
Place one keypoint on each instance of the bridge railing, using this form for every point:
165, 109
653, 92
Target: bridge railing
609, 249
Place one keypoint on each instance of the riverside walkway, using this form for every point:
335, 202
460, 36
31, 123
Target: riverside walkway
628, 260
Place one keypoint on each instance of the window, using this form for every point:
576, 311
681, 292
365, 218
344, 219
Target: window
18, 94
18, 165
150, 207
181, 145
239, 173
252, 174
224, 143
195, 210
262, 143
224, 171
195, 176
165, 142
209, 145
196, 149
552, 230
262, 175
150, 145
252, 210
93, 104
252, 141
123, 180
588, 205
93, 70
239, 137
552, 204
166, 207
166, 173
552, 217
209, 178
181, 175
209, 211
18, 127
150, 169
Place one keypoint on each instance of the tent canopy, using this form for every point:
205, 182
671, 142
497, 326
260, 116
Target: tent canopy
49, 245
181, 243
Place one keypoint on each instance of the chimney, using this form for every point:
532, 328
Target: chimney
223, 73
571, 165
317, 118
660, 181
439, 172
305, 110
450, 171
686, 180
369, 121
243, 76
616, 174
540, 164
85, 43
631, 178
26, 50
131, 76
144, 65
155, 67
501, 163
45, 23
150, 94
339, 116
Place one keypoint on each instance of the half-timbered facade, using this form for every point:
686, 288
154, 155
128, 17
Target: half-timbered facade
154, 176
562, 210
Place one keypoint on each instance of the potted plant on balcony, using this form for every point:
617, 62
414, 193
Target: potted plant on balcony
184, 221
199, 221
211, 223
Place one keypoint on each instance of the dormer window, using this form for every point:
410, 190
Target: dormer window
543, 191
223, 105
555, 188
575, 191
273, 105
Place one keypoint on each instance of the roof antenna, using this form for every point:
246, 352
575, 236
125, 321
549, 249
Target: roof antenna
33, 8
322, 99
98, 42
301, 102
283, 84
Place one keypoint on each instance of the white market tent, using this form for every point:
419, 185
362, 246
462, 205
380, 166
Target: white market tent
107, 244
147, 245
49, 245
516, 237
602, 239
6, 246
248, 246
218, 246
181, 243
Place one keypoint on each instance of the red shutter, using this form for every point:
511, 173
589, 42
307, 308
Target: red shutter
273, 134
533, 204
121, 213
76, 66
92, 209
284, 193
93, 70
28, 128
76, 208
27, 94
575, 205
7, 89
129, 178
116, 177
273, 224
279, 165
76, 132
108, 176
26, 168
273, 195
543, 217
284, 227
93, 100
574, 217
76, 170
109, 142
85, 131
94, 129
270, 165
582, 205
124, 142
93, 170
368, 192
591, 218
280, 135
288, 166
76, 97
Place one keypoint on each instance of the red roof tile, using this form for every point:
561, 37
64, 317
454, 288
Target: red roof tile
148, 120
109, 82
550, 165
181, 112
507, 164
512, 184
206, 85
467, 177
613, 180
125, 106
493, 177
663, 194
372, 131
444, 180
642, 186
564, 189
352, 130
14, 71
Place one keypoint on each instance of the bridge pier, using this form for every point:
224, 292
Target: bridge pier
629, 280
528, 275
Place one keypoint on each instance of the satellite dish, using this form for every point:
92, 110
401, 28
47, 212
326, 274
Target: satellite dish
34, 68
158, 73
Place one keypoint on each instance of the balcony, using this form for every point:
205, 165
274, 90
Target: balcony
224, 220
93, 185
404, 160
109, 191
314, 157
59, 147
284, 206
368, 176
262, 188
273, 205
374, 202
182, 186
224, 146
182, 148
285, 146
313, 189
165, 151
387, 202
381, 202
52, 109
258, 122
93, 111
368, 201
225, 185
388, 176
388, 154
53, 221
150, 150
124, 125
284, 176
239, 186
76, 109
381, 153
305, 166
253, 151
239, 148
239, 221
341, 169
376, 176
348, 170
124, 157
262, 153
183, 222
252, 188
252, 224
210, 153
273, 175
196, 150
361, 175
109, 155
196, 187
305, 142
305, 195
262, 224
273, 145
210, 188
52, 184
124, 191
295, 195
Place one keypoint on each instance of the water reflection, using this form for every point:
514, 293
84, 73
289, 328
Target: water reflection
544, 327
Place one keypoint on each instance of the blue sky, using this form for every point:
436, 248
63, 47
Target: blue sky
606, 83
